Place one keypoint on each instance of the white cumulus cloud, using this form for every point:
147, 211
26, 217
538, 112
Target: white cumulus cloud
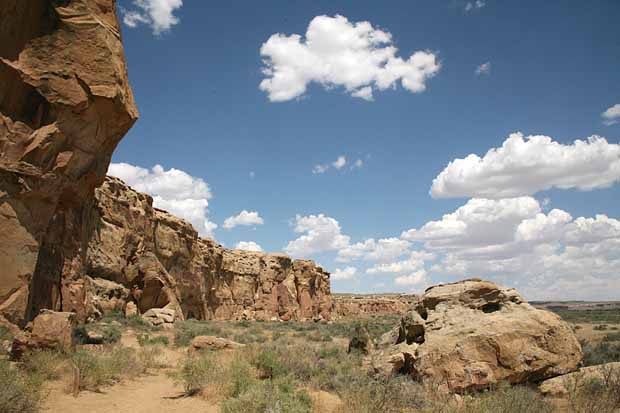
382, 250
340, 53
321, 233
244, 218
173, 190
416, 279
158, 14
526, 165
248, 246
347, 273
471, 5
545, 255
484, 69
612, 115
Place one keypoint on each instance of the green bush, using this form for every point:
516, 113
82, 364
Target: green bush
110, 333
185, 331
612, 337
46, 364
601, 353
19, 393
507, 399
269, 396
197, 371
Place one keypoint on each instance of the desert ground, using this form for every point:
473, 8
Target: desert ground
271, 366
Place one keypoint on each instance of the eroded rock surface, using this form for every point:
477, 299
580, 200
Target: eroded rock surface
162, 262
361, 305
472, 334
50, 330
65, 103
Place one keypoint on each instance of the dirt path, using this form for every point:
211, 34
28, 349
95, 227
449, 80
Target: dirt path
147, 394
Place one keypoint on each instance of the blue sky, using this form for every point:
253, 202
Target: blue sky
551, 69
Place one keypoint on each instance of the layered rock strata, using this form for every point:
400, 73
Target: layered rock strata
160, 260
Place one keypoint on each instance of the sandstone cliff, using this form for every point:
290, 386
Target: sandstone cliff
65, 103
361, 305
160, 261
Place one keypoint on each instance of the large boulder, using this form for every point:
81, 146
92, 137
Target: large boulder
214, 343
472, 334
50, 330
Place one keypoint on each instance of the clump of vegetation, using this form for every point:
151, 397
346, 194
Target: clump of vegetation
45, 364
97, 333
595, 394
600, 353
612, 337
600, 327
197, 371
185, 331
598, 316
5, 334
101, 368
19, 392
507, 399
269, 396
145, 339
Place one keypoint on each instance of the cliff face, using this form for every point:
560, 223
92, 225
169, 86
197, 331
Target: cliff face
65, 103
160, 261
361, 305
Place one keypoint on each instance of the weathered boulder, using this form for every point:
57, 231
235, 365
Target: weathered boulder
50, 330
65, 103
131, 309
160, 316
214, 343
472, 334
561, 386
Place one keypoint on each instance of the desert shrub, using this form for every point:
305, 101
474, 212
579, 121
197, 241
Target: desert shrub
145, 339
363, 394
612, 337
599, 316
5, 334
237, 377
600, 394
110, 333
185, 331
196, 372
134, 322
46, 364
320, 337
250, 337
19, 393
100, 368
600, 327
601, 353
507, 399
269, 396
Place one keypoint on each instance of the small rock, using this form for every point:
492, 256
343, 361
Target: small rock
214, 343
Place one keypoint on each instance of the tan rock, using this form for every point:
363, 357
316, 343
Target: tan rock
356, 305
50, 330
472, 334
563, 385
131, 309
214, 343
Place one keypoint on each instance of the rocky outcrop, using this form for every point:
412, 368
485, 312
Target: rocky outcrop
50, 330
65, 103
162, 262
363, 305
605, 374
214, 343
472, 334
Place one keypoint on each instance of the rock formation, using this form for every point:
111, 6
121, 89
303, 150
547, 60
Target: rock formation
472, 334
160, 260
361, 305
65, 103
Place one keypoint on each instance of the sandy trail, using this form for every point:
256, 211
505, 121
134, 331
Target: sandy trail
146, 394
155, 393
